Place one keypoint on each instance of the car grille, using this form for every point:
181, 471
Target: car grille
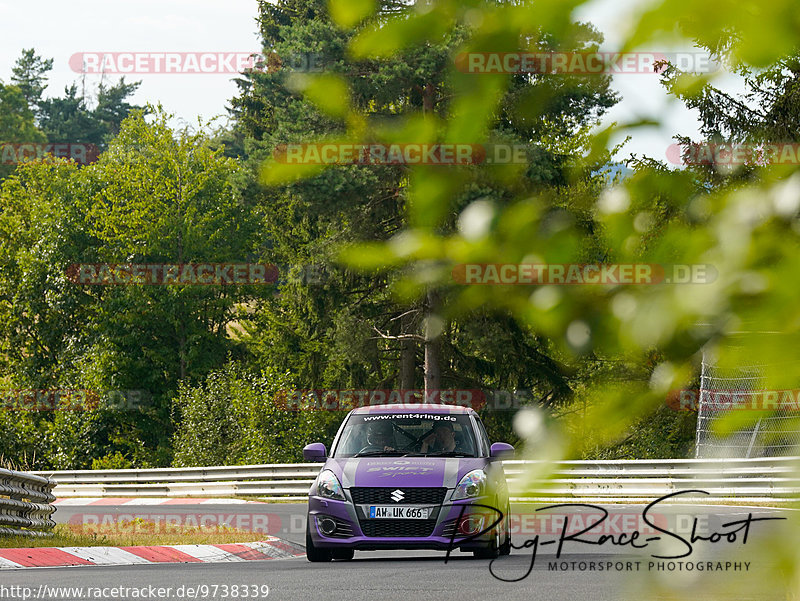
398, 528
449, 528
413, 496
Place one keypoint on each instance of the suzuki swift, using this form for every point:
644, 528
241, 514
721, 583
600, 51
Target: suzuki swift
408, 477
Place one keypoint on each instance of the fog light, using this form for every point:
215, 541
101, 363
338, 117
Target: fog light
471, 525
326, 525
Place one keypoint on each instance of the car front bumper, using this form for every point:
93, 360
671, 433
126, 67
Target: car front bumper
444, 530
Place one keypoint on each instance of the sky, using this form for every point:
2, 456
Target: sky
60, 30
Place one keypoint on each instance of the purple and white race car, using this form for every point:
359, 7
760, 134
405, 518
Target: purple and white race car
409, 477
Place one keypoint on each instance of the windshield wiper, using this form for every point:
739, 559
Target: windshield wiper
376, 453
449, 454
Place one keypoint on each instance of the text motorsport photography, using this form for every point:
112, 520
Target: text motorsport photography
671, 542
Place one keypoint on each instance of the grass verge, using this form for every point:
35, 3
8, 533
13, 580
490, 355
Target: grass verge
131, 534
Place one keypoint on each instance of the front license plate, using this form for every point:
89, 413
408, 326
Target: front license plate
394, 512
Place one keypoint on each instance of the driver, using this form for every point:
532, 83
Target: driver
380, 435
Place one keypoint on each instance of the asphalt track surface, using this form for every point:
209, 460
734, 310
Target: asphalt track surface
423, 575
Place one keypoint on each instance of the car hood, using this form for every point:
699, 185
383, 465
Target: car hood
415, 472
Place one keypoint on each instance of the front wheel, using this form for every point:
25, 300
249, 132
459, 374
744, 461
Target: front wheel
505, 548
492, 550
314, 554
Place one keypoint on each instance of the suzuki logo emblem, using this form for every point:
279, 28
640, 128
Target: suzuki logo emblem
398, 495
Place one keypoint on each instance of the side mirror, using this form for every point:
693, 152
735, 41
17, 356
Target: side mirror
502, 450
315, 452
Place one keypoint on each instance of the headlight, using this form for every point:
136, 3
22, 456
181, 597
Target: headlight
328, 486
471, 485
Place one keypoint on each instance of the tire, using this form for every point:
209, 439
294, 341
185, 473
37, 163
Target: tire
342, 554
505, 548
313, 554
492, 550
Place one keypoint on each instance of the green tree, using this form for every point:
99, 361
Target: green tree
353, 330
158, 197
232, 418
46, 320
17, 125
29, 74
42, 229
70, 119
155, 197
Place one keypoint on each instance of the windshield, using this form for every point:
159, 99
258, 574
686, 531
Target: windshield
401, 434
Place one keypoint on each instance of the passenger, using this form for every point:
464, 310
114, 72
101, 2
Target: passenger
442, 439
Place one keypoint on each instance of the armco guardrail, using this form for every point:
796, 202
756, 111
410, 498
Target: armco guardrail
25, 507
279, 481
774, 479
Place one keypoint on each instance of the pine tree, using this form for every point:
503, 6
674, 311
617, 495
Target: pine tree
352, 331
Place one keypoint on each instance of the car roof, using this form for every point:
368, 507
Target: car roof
437, 408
